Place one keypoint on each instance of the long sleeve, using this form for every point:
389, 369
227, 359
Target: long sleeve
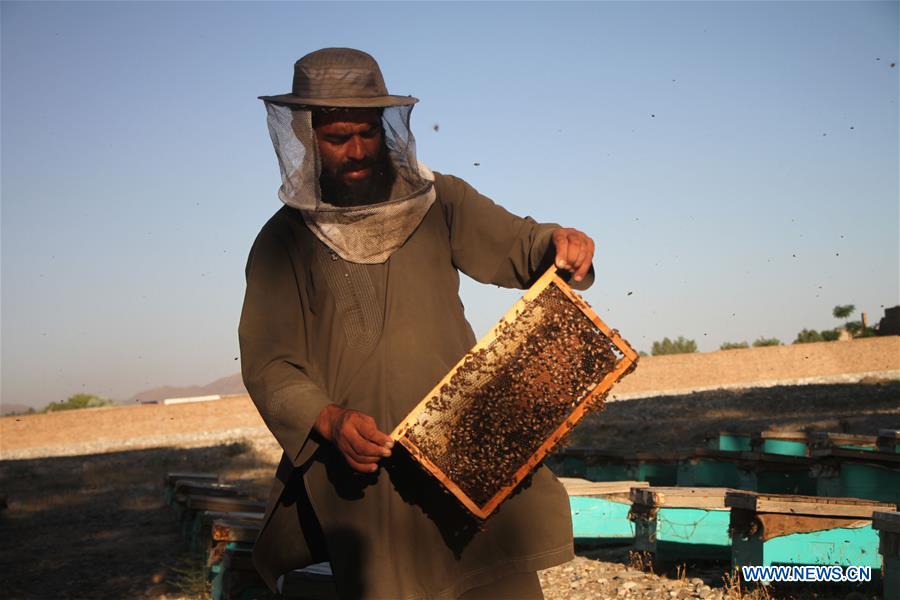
490, 244
274, 361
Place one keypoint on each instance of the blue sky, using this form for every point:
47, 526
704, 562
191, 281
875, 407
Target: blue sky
736, 162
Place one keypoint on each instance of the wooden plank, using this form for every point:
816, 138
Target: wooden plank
886, 521
594, 455
596, 390
582, 487
183, 489
821, 439
799, 436
212, 515
171, 478
714, 453
889, 459
777, 460
804, 505
197, 503
662, 457
680, 497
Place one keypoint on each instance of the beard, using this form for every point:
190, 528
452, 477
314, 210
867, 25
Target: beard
339, 190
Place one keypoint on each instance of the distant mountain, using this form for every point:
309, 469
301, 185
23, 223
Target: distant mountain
232, 384
8, 409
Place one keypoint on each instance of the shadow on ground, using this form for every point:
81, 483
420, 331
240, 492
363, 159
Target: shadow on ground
680, 423
97, 526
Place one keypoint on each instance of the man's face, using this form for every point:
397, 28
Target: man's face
352, 154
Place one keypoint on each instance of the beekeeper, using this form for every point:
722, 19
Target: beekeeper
351, 315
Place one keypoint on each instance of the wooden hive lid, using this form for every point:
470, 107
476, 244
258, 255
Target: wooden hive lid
184, 488
661, 456
855, 439
886, 521
763, 458
727, 455
212, 515
582, 487
590, 454
189, 486
171, 478
805, 505
680, 497
892, 459
223, 504
799, 436
542, 348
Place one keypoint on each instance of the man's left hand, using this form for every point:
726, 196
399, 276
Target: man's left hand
574, 251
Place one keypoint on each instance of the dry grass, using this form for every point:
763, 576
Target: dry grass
735, 589
640, 561
189, 578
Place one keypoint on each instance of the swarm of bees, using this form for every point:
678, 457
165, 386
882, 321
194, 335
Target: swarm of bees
509, 401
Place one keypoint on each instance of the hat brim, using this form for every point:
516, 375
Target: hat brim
374, 102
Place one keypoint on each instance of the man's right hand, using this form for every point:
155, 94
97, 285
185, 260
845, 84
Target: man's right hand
356, 435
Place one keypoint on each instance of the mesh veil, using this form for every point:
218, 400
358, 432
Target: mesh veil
365, 234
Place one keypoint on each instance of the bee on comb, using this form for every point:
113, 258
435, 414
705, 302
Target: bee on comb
491, 420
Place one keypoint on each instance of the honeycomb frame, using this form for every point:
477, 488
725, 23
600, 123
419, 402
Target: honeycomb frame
596, 390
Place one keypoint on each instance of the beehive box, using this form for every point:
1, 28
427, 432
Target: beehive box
489, 422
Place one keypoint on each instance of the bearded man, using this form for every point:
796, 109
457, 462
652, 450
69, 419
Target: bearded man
351, 315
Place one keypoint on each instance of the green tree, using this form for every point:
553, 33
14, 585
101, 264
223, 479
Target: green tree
678, 346
808, 336
761, 341
78, 401
843, 311
733, 345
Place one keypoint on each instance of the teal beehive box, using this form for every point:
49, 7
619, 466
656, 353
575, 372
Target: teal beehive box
774, 473
860, 474
681, 523
588, 463
784, 529
786, 443
730, 441
601, 465
710, 467
600, 511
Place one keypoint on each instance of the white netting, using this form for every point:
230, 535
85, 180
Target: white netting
368, 233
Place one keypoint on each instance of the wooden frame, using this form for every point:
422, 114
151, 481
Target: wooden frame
623, 366
680, 497
804, 505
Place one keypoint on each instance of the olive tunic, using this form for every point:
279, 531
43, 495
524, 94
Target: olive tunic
316, 330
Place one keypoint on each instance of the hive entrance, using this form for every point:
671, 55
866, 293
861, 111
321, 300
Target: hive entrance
495, 415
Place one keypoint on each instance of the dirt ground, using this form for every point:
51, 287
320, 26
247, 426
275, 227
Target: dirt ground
96, 525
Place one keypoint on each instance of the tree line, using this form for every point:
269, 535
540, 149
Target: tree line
855, 329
